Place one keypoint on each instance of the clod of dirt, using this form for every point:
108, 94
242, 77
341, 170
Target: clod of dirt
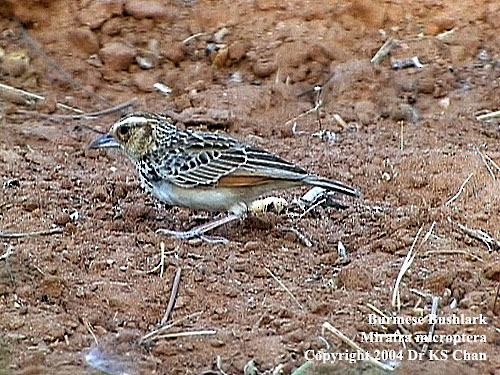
117, 55
62, 219
251, 246
173, 51
100, 193
100, 11
366, 111
264, 68
15, 64
492, 271
238, 50
355, 278
84, 39
439, 281
52, 287
31, 204
440, 24
137, 212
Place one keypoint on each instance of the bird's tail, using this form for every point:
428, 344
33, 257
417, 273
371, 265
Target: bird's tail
332, 185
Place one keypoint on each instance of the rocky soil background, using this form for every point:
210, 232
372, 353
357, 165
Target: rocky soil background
420, 142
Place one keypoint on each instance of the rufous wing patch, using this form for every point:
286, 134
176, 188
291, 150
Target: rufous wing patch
241, 181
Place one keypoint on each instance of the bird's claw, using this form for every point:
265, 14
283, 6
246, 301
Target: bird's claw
193, 234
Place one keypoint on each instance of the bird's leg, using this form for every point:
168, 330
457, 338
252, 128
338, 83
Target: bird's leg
199, 231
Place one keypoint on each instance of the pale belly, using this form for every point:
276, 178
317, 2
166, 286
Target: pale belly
208, 199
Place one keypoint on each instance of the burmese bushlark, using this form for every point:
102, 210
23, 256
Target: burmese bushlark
202, 170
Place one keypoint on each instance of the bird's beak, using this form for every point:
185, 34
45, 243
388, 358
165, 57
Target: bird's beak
104, 141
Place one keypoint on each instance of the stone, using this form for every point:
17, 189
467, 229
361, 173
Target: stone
112, 26
117, 55
146, 9
144, 80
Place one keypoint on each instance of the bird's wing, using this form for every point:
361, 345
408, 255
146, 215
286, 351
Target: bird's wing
217, 160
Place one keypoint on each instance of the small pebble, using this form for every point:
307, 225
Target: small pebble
251, 246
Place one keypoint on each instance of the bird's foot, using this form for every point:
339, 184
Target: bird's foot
199, 231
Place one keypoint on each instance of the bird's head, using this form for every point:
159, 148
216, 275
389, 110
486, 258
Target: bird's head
134, 133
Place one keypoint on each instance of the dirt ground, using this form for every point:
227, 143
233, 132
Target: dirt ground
78, 300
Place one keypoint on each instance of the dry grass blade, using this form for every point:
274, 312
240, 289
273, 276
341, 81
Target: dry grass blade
284, 288
488, 116
432, 328
40, 233
173, 296
24, 97
83, 116
384, 51
151, 336
8, 253
404, 267
485, 161
194, 36
355, 346
174, 335
492, 162
87, 325
219, 365
460, 190
396, 300
496, 298
453, 252
301, 237
478, 234
401, 328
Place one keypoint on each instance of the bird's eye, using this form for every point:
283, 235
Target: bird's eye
123, 130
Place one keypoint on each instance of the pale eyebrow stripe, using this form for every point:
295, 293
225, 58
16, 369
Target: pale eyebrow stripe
133, 119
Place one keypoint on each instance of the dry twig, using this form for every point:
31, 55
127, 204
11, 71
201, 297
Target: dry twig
173, 296
47, 232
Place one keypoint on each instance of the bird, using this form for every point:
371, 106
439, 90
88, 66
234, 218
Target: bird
208, 171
